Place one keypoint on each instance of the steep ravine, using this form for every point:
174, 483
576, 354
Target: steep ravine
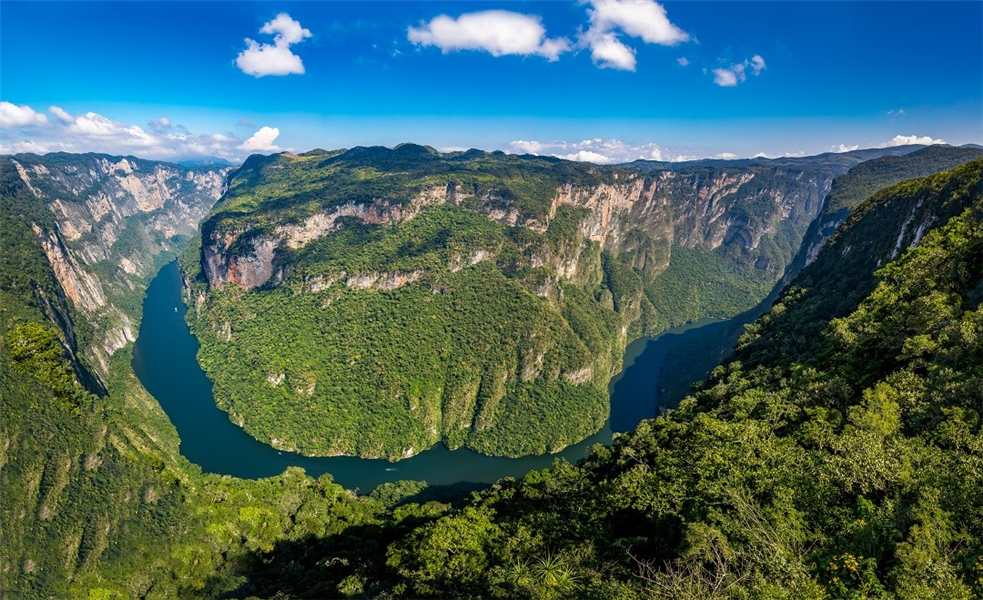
104, 223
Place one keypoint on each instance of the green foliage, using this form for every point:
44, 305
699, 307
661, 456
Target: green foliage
868, 177
703, 284
463, 353
850, 468
852, 471
842, 275
35, 350
292, 186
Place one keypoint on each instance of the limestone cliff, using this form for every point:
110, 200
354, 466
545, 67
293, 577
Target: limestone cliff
107, 221
639, 215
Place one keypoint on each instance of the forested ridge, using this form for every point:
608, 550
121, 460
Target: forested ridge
847, 466
375, 301
852, 470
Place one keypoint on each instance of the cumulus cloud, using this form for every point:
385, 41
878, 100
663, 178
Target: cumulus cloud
642, 19
730, 76
799, 154
498, 32
93, 132
608, 52
260, 60
906, 140
588, 156
61, 114
682, 61
757, 64
737, 73
838, 148
598, 150
262, 140
502, 33
12, 115
726, 156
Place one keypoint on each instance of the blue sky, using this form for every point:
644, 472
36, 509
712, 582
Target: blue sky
607, 80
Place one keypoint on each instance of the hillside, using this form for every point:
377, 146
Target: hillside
104, 224
863, 180
690, 363
850, 470
377, 301
97, 501
830, 476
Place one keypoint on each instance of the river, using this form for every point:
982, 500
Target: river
165, 360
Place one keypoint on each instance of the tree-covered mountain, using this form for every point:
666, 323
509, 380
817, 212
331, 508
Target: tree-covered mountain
851, 471
97, 501
104, 224
691, 362
377, 301
850, 468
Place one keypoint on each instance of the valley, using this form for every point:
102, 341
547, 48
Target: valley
239, 536
321, 276
593, 299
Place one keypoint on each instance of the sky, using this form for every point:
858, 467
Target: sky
598, 80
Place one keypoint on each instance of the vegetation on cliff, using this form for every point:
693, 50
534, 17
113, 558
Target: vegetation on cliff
377, 301
853, 469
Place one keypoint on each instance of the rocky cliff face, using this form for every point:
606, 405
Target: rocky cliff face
112, 218
642, 216
878, 231
865, 179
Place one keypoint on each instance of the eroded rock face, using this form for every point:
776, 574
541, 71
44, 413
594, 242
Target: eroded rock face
112, 216
644, 215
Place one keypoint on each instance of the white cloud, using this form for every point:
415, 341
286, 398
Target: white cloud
32, 147
757, 64
682, 61
643, 19
262, 140
61, 114
598, 150
843, 148
587, 156
498, 32
728, 77
726, 156
608, 52
896, 113
534, 147
260, 60
737, 72
799, 154
93, 132
12, 115
502, 33
905, 140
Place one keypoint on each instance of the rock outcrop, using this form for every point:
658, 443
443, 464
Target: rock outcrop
110, 218
643, 215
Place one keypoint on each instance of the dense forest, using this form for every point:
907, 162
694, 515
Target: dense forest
851, 470
691, 362
837, 454
377, 301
